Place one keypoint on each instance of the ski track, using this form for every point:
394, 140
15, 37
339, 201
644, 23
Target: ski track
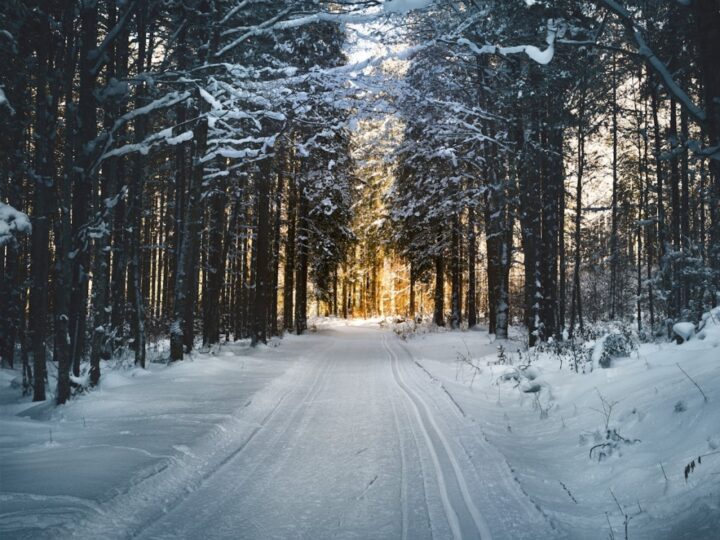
133, 505
443, 459
403, 473
505, 472
309, 396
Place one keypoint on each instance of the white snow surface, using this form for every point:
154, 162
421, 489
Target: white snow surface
351, 432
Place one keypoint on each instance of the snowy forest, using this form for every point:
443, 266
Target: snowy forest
180, 178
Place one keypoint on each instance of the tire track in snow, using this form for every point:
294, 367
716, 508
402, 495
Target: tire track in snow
131, 513
505, 471
463, 517
403, 474
309, 396
298, 419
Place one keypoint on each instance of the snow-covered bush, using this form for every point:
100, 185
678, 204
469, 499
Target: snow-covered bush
710, 324
574, 352
12, 222
683, 331
406, 328
615, 345
596, 345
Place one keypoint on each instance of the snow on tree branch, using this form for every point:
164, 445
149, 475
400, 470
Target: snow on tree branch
4, 102
162, 137
534, 53
12, 223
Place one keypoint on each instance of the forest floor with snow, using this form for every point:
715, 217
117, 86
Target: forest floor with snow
372, 429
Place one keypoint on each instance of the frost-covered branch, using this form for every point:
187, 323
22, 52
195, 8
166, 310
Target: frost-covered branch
168, 100
163, 137
5, 103
12, 223
534, 53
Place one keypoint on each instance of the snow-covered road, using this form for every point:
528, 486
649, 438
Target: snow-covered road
360, 443
362, 446
351, 432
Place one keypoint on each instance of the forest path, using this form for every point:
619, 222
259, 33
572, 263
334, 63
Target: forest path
363, 445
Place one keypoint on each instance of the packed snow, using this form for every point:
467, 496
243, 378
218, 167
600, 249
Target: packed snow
371, 429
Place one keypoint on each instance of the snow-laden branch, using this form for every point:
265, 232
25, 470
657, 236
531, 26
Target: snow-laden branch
243, 153
162, 137
12, 222
168, 100
536, 54
277, 23
4, 102
234, 10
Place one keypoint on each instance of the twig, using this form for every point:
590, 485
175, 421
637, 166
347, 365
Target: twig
601, 445
624, 514
693, 381
612, 533
627, 517
607, 408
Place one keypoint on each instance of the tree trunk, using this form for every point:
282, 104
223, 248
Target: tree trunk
576, 303
614, 225
187, 261
135, 205
530, 230
439, 312
101, 306
675, 285
215, 269
411, 308
553, 191
659, 190
45, 115
275, 273
262, 258
83, 181
472, 277
289, 267
456, 276
707, 33
302, 265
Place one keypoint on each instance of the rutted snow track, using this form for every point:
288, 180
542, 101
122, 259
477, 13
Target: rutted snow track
464, 518
354, 441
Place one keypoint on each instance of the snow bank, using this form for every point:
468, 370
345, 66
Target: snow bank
62, 468
576, 442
